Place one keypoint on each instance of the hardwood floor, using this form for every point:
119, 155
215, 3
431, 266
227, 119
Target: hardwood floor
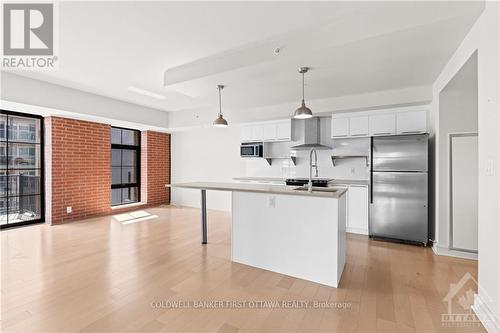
100, 275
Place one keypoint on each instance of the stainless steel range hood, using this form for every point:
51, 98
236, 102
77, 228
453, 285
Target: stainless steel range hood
307, 134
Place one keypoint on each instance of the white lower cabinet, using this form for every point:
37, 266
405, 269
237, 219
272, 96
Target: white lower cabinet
357, 202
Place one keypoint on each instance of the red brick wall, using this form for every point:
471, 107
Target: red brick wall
81, 173
81, 168
156, 149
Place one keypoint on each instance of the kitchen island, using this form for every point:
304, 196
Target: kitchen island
284, 229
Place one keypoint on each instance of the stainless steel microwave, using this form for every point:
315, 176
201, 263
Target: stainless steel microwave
252, 149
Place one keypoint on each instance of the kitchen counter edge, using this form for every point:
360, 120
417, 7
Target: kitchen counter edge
257, 188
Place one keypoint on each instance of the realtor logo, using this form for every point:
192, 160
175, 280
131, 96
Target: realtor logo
460, 299
28, 36
28, 29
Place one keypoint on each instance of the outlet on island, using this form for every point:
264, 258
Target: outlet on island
271, 203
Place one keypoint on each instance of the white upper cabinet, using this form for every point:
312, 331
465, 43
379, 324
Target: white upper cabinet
405, 120
383, 124
246, 133
411, 122
257, 133
284, 130
269, 131
340, 127
358, 126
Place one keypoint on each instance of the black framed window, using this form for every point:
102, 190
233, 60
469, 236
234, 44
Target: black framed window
21, 169
125, 166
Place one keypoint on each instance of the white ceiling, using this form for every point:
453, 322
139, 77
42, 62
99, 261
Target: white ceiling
352, 47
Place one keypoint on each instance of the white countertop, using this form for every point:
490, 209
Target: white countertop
256, 179
258, 188
349, 182
279, 179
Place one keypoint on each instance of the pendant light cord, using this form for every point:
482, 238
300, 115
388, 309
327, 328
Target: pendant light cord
220, 103
303, 97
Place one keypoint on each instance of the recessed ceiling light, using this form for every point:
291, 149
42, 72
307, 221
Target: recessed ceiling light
145, 92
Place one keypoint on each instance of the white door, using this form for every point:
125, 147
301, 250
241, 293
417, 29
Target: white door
383, 124
340, 127
464, 192
411, 122
358, 209
358, 126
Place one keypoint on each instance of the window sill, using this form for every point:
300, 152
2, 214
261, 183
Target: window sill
135, 204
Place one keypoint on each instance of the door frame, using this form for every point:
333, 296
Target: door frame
42, 167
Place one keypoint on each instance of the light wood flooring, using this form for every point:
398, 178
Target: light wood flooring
99, 275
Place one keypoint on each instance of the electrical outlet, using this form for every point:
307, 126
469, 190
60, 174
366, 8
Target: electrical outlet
353, 171
271, 202
69, 210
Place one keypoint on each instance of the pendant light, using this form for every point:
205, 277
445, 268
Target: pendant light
303, 112
220, 121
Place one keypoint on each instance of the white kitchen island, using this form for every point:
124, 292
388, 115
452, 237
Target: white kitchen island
284, 230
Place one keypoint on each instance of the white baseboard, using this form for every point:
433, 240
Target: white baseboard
443, 251
485, 315
358, 231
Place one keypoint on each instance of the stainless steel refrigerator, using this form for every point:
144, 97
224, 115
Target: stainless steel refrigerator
399, 187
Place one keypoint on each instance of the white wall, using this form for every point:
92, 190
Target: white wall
60, 100
484, 37
458, 113
205, 154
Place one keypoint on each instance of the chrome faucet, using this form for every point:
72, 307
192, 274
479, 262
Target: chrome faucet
311, 166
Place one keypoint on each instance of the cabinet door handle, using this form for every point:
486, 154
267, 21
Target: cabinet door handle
382, 133
411, 132
358, 134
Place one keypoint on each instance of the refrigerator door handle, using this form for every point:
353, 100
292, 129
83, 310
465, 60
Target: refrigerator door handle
371, 169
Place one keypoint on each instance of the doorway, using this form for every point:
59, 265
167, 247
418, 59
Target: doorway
458, 162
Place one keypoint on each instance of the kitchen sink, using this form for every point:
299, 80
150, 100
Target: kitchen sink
317, 189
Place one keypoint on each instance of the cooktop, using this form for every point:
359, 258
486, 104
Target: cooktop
317, 182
